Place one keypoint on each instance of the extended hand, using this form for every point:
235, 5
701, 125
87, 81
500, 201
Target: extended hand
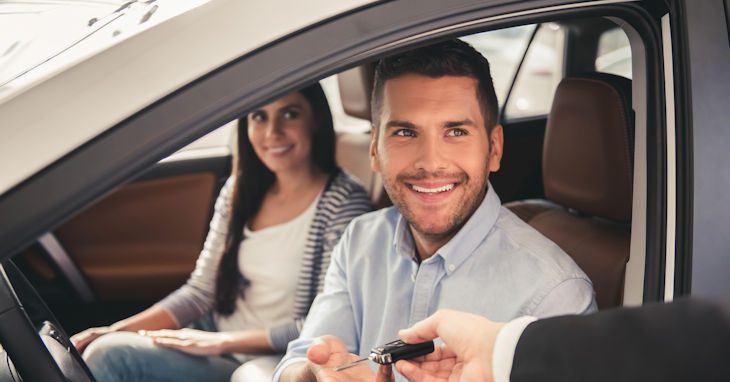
466, 354
328, 352
191, 341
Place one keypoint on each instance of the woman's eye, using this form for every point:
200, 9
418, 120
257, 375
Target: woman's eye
405, 133
258, 116
291, 114
456, 132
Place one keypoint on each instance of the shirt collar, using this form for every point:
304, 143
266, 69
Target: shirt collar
403, 241
463, 244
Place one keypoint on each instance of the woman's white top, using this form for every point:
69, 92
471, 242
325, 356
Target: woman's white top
270, 258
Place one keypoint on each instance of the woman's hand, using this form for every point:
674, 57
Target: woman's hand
82, 339
191, 341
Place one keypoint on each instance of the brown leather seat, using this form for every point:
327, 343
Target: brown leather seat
353, 150
588, 179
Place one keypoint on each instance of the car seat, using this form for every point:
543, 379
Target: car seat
588, 179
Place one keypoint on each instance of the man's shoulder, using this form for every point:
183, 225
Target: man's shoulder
533, 247
379, 221
369, 235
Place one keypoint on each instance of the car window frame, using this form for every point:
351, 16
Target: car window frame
140, 141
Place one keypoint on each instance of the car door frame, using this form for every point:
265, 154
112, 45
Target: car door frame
700, 61
329, 47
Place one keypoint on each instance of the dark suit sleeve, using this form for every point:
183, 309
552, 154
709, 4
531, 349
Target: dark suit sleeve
687, 340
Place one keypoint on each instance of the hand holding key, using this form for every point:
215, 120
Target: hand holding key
328, 352
466, 354
392, 352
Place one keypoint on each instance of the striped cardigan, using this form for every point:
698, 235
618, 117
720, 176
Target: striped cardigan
342, 200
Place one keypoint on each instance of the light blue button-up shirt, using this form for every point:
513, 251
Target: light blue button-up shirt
496, 266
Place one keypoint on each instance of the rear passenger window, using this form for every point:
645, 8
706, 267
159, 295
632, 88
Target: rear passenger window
504, 49
614, 53
539, 75
343, 122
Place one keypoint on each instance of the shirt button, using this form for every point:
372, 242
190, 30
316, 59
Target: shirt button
452, 267
413, 277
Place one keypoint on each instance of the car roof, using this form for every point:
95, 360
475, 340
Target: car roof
53, 116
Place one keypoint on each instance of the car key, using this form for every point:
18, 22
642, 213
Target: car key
391, 352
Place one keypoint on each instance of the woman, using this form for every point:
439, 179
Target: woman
275, 224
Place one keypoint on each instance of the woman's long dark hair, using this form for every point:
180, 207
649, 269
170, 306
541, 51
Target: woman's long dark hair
253, 180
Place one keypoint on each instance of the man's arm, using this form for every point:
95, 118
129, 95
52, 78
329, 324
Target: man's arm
682, 341
571, 296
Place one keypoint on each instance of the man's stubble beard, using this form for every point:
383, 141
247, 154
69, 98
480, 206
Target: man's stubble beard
465, 207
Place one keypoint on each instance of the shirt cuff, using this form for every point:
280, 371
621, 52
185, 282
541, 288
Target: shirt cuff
505, 345
282, 366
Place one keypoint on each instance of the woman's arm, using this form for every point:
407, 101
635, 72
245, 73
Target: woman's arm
248, 341
202, 343
197, 296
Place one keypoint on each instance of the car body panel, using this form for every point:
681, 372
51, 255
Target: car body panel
704, 139
204, 38
159, 116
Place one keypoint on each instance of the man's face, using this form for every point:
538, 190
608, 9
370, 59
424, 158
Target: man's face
433, 151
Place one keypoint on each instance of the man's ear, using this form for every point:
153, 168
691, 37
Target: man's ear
496, 146
374, 164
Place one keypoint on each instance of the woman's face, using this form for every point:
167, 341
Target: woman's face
281, 131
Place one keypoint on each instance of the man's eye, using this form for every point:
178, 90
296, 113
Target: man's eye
405, 133
457, 132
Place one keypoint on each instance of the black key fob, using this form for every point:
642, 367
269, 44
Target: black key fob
398, 350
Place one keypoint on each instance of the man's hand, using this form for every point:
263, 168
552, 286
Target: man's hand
328, 352
191, 341
466, 354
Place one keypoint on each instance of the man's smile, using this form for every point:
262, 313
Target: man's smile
433, 191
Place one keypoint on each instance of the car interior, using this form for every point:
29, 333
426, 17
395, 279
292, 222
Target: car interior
567, 170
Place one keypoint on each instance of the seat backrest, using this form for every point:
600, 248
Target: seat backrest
588, 179
353, 149
353, 155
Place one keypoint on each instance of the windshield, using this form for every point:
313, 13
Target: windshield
40, 37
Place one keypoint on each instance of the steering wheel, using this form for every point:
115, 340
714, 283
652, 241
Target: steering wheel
38, 346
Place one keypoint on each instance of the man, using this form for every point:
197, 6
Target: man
447, 243
683, 341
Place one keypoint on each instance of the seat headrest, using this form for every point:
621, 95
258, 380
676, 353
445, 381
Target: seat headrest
588, 149
356, 86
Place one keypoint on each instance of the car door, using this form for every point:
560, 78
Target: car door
136, 244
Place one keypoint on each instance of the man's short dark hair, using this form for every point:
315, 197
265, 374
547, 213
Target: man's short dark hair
448, 58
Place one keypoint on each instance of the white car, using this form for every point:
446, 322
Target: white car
104, 201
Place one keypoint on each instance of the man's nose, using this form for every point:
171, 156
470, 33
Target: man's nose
430, 155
